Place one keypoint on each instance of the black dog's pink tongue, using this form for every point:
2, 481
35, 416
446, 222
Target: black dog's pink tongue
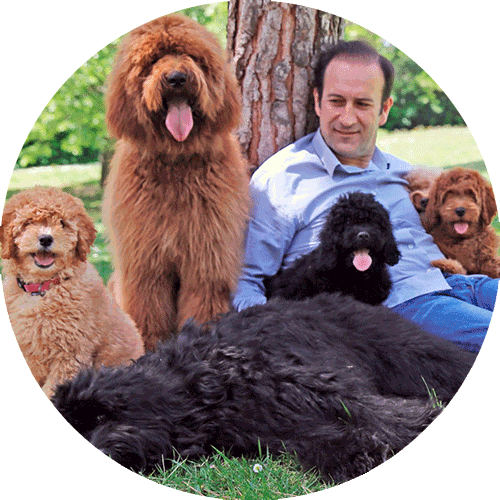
362, 260
179, 119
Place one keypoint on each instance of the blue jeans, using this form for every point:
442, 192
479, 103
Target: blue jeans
461, 314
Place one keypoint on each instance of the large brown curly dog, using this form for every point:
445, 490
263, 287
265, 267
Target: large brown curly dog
62, 315
176, 200
458, 215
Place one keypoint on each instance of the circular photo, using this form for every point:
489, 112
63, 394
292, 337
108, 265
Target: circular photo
248, 251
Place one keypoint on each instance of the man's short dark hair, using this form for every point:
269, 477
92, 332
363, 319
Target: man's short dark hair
354, 49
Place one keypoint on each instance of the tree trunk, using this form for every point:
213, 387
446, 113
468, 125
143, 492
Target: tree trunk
273, 46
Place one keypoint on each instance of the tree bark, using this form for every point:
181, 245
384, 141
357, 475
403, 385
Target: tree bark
273, 46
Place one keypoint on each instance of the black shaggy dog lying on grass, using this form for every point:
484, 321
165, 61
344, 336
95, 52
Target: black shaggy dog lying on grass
356, 246
341, 384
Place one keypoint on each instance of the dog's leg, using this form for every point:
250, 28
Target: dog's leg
151, 304
491, 267
451, 266
202, 302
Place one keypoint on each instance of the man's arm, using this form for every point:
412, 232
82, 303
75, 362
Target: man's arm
268, 236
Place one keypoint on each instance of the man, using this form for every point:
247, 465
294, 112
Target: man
294, 190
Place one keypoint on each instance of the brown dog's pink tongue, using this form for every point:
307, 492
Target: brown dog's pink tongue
461, 227
44, 259
179, 120
362, 260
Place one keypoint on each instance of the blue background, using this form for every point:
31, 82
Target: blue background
43, 45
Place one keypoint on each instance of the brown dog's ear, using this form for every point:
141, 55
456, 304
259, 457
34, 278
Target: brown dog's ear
6, 238
489, 207
86, 236
419, 200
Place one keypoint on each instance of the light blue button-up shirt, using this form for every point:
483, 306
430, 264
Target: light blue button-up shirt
292, 194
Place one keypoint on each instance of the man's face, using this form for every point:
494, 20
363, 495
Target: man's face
349, 110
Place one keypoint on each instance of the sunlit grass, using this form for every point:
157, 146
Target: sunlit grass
434, 147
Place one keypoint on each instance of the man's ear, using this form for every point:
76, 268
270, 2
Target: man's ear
384, 112
317, 101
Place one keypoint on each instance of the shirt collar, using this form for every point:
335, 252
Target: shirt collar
331, 163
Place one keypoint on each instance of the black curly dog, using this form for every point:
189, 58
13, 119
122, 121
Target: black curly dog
356, 245
341, 384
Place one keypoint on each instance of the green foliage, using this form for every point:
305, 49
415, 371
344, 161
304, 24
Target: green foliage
213, 16
71, 128
417, 98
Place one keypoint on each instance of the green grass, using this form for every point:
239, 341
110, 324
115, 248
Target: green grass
435, 147
220, 476
247, 479
61, 176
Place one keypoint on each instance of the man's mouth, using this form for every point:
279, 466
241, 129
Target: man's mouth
44, 259
346, 132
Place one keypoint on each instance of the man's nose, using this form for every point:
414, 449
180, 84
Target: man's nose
348, 115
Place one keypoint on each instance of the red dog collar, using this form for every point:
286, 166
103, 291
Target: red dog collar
37, 288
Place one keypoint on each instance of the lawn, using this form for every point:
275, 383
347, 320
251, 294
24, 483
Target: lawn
262, 477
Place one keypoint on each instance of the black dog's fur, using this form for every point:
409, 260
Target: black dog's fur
341, 384
355, 221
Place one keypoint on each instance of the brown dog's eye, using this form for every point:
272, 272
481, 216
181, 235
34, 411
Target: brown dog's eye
470, 193
63, 224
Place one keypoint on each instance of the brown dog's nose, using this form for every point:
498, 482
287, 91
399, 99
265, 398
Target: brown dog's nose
460, 211
45, 240
177, 79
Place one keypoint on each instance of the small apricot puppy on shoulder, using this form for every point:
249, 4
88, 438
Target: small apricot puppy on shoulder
420, 179
62, 315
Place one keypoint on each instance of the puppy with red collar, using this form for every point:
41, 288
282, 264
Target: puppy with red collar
62, 315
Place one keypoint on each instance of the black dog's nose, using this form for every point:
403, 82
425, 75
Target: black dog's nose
362, 236
460, 211
177, 79
45, 240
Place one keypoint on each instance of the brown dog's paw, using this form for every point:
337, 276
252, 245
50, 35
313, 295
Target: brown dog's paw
450, 266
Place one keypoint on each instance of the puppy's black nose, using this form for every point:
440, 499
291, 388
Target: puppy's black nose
176, 79
424, 202
460, 211
362, 236
45, 240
